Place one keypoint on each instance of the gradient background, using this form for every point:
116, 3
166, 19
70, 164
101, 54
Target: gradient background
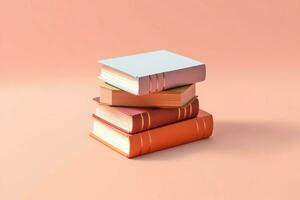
48, 54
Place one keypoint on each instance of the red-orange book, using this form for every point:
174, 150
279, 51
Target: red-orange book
132, 145
133, 120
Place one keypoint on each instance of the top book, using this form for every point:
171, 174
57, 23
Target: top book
151, 72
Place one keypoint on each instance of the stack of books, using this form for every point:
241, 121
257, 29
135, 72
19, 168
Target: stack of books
148, 102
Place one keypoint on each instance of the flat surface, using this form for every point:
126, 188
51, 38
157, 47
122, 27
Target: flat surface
149, 63
46, 153
48, 54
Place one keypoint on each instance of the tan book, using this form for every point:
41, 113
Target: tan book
175, 97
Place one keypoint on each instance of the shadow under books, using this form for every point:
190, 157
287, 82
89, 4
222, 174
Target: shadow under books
231, 137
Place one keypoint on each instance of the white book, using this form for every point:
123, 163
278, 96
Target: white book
151, 72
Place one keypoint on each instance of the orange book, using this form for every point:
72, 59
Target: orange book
156, 139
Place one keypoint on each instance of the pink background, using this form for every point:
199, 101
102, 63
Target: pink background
48, 54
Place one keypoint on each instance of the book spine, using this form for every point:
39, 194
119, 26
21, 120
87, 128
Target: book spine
159, 117
166, 80
169, 136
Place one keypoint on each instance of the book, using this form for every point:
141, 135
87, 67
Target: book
175, 97
150, 72
133, 120
156, 139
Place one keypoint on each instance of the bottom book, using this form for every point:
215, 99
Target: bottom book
132, 145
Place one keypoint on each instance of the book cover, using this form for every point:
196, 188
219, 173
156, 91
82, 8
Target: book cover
156, 139
151, 72
133, 120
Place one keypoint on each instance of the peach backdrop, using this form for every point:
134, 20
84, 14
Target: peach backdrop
48, 54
